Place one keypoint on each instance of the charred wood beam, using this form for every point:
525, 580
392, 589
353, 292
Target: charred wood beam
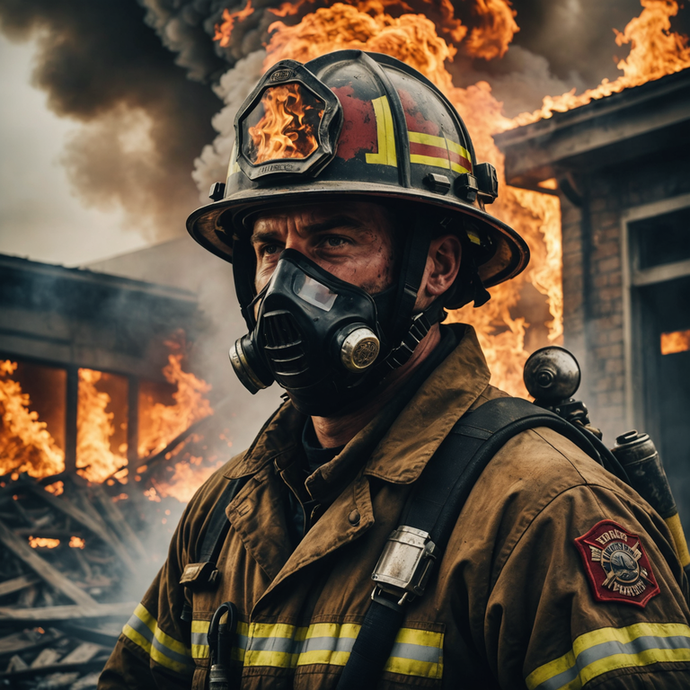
48, 614
133, 421
118, 523
47, 572
26, 673
27, 641
89, 518
71, 408
83, 632
16, 584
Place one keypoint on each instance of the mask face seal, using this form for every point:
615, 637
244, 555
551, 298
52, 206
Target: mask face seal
317, 336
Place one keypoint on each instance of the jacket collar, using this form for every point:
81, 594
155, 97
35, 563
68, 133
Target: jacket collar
401, 455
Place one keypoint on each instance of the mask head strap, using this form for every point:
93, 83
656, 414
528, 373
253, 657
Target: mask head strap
411, 271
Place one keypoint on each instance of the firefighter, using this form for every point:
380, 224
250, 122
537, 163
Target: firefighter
353, 215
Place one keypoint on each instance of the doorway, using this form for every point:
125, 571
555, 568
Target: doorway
659, 263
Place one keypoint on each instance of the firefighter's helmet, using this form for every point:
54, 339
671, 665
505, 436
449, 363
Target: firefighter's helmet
359, 124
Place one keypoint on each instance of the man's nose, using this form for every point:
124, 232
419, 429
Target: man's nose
295, 241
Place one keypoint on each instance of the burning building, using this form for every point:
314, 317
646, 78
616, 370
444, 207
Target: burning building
86, 359
621, 169
595, 182
104, 436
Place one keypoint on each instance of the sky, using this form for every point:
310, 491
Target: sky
56, 226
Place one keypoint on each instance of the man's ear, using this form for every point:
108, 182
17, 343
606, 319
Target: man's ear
442, 267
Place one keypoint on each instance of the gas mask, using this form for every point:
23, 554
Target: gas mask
317, 336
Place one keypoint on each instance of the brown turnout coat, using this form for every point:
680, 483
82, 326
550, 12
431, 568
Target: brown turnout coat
510, 605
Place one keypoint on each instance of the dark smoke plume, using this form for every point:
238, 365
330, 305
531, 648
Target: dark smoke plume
145, 78
143, 121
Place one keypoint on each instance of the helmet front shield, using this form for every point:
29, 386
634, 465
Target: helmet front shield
289, 124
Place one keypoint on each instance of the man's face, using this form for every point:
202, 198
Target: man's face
351, 240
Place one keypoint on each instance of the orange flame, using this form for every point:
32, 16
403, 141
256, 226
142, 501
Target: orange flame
188, 476
673, 343
43, 542
76, 542
165, 422
655, 51
289, 125
25, 443
27, 446
223, 31
56, 489
95, 459
491, 38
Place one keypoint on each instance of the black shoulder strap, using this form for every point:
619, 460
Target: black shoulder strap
203, 573
456, 466
433, 509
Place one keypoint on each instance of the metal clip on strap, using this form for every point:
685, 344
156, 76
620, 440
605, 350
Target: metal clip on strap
405, 564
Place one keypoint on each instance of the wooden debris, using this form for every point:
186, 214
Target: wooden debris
46, 614
47, 657
16, 584
67, 565
51, 575
83, 653
26, 641
16, 664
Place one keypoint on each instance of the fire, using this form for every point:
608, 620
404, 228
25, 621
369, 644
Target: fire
95, 460
56, 489
223, 32
25, 443
414, 39
76, 542
289, 126
187, 478
491, 39
673, 343
163, 423
43, 542
655, 51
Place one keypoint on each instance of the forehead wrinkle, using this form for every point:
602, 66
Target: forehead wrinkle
284, 223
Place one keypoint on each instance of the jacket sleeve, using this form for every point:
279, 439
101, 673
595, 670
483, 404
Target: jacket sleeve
154, 648
565, 611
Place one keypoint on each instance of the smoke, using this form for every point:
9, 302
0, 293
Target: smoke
235, 85
142, 121
145, 79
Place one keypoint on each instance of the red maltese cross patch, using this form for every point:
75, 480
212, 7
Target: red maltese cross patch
616, 564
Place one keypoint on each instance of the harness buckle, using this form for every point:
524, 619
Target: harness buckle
198, 576
405, 564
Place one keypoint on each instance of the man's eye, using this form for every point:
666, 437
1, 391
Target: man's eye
333, 241
270, 249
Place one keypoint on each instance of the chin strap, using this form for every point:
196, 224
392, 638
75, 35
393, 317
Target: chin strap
420, 326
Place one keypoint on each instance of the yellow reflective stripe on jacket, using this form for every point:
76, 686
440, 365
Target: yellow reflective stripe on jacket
414, 653
607, 649
142, 629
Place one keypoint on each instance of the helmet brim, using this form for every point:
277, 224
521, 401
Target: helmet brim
214, 226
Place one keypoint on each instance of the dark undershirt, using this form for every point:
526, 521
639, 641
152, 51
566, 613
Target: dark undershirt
316, 454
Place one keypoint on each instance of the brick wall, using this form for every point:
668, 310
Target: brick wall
594, 326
